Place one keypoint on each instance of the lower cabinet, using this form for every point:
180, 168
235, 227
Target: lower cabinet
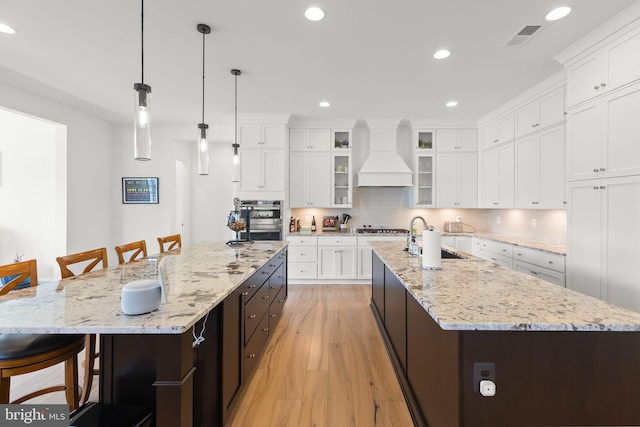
337, 257
395, 315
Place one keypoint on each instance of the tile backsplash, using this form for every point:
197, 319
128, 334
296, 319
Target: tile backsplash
389, 207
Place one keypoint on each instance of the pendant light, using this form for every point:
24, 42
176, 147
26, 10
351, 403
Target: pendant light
235, 173
203, 144
142, 133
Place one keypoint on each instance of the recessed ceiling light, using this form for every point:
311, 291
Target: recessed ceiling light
4, 28
441, 54
324, 104
558, 13
314, 14
451, 103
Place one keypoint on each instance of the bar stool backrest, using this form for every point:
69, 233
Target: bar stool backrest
22, 270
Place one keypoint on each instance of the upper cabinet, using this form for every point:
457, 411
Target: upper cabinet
613, 66
424, 139
305, 139
541, 113
498, 177
498, 132
457, 140
262, 135
341, 139
457, 180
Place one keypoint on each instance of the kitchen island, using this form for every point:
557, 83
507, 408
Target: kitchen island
555, 356
150, 360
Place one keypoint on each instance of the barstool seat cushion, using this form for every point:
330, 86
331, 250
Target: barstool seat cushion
18, 346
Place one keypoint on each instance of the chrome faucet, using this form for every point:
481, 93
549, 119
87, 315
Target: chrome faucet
412, 246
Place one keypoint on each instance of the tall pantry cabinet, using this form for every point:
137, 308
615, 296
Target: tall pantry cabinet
603, 172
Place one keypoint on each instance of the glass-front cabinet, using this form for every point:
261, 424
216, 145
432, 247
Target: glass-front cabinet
341, 139
424, 139
341, 180
424, 181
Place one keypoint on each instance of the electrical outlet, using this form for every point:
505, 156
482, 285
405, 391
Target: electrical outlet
498, 220
533, 223
459, 218
484, 372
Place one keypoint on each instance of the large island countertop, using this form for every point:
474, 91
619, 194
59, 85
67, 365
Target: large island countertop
200, 277
472, 294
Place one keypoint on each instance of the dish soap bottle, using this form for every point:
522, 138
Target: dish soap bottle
313, 224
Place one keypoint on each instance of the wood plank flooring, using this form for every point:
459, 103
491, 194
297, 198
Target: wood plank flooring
324, 366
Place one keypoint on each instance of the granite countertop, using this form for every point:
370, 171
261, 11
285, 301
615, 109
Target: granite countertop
472, 294
200, 277
557, 248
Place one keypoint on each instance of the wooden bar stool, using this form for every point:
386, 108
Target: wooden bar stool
93, 258
25, 353
174, 241
140, 249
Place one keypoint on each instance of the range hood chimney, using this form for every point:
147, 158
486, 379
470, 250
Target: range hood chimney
384, 167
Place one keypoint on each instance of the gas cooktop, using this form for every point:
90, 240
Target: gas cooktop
382, 231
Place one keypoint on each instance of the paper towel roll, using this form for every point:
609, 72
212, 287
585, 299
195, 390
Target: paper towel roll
431, 255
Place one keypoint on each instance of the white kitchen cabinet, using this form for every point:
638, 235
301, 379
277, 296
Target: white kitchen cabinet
613, 66
497, 252
543, 112
540, 170
603, 134
341, 180
424, 139
539, 272
498, 177
302, 257
602, 246
262, 170
424, 181
498, 132
462, 243
337, 257
309, 179
341, 139
365, 252
309, 139
457, 181
262, 135
457, 140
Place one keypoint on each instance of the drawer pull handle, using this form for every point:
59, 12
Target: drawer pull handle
273, 287
267, 297
504, 250
550, 262
265, 272
252, 356
274, 315
253, 316
244, 294
519, 254
266, 329
281, 301
493, 259
596, 170
534, 272
252, 286
596, 87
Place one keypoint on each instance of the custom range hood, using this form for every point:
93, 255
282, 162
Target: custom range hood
384, 167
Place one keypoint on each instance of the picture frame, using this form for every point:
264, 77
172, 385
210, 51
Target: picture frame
140, 190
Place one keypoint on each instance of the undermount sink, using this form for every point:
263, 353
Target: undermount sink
445, 254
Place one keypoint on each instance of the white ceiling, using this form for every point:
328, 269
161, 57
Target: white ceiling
369, 58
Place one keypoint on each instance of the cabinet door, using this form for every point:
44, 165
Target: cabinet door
552, 179
274, 136
507, 176
299, 180
621, 61
468, 139
491, 179
506, 129
490, 135
621, 134
447, 181
622, 258
528, 172
250, 170
233, 343
467, 180
584, 243
464, 243
395, 315
327, 265
584, 141
447, 139
320, 179
424, 181
528, 119
299, 140
341, 182
364, 262
552, 108
250, 135
320, 139
584, 79
273, 167
348, 262
377, 284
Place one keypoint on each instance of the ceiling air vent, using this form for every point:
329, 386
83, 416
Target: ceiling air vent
522, 36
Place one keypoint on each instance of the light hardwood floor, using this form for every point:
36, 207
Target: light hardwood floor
324, 366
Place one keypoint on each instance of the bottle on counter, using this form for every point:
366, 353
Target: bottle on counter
313, 224
292, 225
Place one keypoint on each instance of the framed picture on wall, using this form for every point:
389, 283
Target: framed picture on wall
140, 190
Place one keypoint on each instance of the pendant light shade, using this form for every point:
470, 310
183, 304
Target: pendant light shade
142, 130
203, 144
235, 172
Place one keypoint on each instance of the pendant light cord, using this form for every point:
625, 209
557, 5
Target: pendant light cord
142, 38
235, 128
203, 34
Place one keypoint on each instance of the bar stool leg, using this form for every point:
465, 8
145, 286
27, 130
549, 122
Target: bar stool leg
71, 379
5, 386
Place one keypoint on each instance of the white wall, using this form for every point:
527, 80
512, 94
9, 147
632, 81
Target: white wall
211, 196
88, 168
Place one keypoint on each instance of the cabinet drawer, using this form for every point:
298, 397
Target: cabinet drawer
302, 240
337, 241
276, 282
497, 248
253, 283
275, 310
255, 310
539, 272
303, 254
540, 258
497, 259
276, 262
303, 270
254, 347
